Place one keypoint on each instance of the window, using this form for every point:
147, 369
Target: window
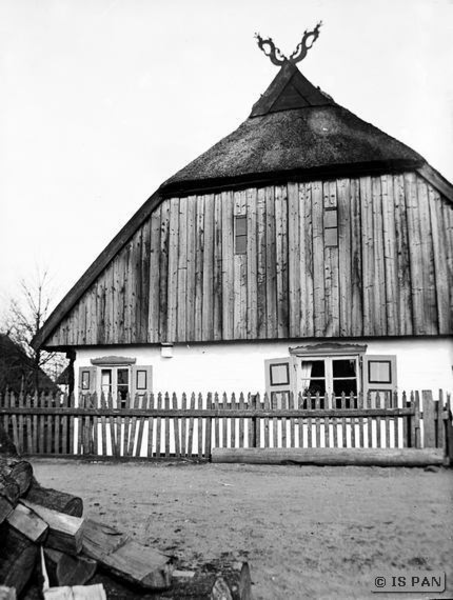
116, 377
331, 227
240, 235
334, 373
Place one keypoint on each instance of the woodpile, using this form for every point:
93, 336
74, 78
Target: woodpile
49, 550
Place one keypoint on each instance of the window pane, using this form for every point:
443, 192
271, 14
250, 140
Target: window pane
85, 380
344, 367
141, 383
330, 218
241, 244
331, 237
123, 376
379, 371
241, 226
347, 386
313, 368
106, 381
280, 374
314, 386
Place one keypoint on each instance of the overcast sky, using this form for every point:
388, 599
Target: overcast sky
102, 100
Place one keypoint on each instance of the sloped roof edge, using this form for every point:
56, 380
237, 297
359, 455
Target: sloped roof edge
95, 269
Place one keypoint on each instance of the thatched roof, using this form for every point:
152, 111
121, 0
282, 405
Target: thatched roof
294, 129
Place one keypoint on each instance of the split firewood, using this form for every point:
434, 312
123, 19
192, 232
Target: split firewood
214, 580
7, 447
20, 471
6, 508
9, 489
69, 570
28, 523
17, 558
125, 558
65, 531
77, 592
54, 499
7, 593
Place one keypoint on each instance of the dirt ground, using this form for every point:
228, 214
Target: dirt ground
307, 532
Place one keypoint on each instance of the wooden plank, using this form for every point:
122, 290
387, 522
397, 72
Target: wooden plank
387, 397
417, 419
158, 426
429, 424
232, 406
224, 422
379, 401
151, 428
190, 437
240, 276
396, 422
29, 524
176, 426
183, 260
356, 282
430, 321
184, 450
163, 271
208, 270
251, 264
167, 426
271, 260
360, 405
281, 232
190, 299
440, 245
440, 428
415, 252
405, 425
306, 325
344, 439
133, 437
378, 300
29, 424
200, 427
141, 424
172, 287
368, 270
331, 282
241, 421
208, 430
199, 251
261, 263
294, 260
217, 269
344, 256
403, 272
227, 236
382, 457
319, 294
391, 281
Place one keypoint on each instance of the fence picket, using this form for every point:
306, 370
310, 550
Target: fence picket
96, 427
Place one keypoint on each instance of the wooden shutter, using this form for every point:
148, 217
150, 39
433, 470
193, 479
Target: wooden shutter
379, 375
142, 382
87, 380
278, 381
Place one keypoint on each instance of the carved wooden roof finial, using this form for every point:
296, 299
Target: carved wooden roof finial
276, 56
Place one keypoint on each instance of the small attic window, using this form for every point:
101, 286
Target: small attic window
240, 235
331, 227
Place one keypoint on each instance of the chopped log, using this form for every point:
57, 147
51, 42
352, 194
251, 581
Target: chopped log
213, 580
125, 558
9, 489
28, 523
7, 593
17, 558
54, 499
379, 457
77, 592
7, 447
6, 508
65, 531
69, 570
19, 470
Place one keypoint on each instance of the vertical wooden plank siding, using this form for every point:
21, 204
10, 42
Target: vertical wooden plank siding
178, 279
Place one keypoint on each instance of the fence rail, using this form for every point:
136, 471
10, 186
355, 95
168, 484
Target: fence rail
190, 426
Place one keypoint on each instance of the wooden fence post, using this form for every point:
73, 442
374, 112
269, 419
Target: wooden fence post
429, 429
448, 437
255, 421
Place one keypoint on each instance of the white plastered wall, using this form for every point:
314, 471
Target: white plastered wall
422, 364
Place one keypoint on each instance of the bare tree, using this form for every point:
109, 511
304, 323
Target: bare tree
25, 316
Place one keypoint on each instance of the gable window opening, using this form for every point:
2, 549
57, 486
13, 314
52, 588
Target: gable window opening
240, 234
331, 227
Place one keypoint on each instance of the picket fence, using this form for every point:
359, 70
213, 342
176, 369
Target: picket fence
190, 426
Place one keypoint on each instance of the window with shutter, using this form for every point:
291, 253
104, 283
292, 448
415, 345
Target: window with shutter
142, 382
